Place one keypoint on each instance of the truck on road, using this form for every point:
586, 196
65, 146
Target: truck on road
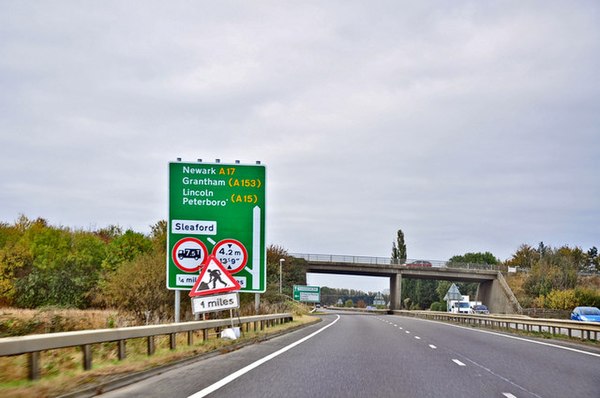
462, 306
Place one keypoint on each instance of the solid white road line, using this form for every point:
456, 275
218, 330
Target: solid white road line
515, 338
214, 387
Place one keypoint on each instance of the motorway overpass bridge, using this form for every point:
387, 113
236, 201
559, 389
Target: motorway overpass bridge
493, 289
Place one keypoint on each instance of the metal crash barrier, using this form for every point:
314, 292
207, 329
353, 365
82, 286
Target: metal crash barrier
33, 345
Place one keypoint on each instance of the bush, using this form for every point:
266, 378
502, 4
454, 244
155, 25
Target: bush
561, 299
568, 299
138, 286
587, 297
438, 306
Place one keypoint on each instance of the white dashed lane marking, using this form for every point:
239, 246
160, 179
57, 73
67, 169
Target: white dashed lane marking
459, 363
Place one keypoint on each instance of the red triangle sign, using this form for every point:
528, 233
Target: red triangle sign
213, 279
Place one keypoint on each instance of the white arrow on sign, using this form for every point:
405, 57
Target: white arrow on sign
255, 271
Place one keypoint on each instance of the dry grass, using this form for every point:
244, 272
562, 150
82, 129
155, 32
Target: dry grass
18, 322
62, 369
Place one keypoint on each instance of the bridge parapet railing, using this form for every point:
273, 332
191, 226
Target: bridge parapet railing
386, 261
474, 266
338, 258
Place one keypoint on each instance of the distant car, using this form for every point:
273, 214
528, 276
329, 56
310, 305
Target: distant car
586, 314
419, 263
480, 309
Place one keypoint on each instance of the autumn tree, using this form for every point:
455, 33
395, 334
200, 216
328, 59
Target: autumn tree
592, 263
292, 273
525, 257
16, 261
555, 269
125, 247
475, 258
138, 286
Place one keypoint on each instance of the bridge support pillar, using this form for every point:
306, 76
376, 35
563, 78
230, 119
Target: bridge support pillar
396, 291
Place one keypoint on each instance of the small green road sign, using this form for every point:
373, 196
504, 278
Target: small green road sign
307, 294
216, 209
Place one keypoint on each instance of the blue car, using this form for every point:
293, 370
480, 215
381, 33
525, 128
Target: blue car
586, 314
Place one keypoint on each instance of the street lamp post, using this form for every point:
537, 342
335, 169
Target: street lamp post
281, 260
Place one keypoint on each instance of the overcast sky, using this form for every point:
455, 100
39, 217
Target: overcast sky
470, 125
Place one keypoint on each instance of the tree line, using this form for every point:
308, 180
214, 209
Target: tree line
547, 277
43, 265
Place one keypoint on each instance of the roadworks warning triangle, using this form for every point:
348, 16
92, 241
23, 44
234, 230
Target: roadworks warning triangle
213, 279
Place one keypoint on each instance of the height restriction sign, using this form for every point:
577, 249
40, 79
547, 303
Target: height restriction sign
218, 210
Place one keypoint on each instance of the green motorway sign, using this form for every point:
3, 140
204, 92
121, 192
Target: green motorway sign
307, 294
217, 209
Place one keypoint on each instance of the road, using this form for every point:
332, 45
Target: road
368, 355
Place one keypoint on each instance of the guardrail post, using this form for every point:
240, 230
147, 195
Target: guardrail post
150, 345
34, 365
190, 337
121, 349
172, 341
204, 334
87, 356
